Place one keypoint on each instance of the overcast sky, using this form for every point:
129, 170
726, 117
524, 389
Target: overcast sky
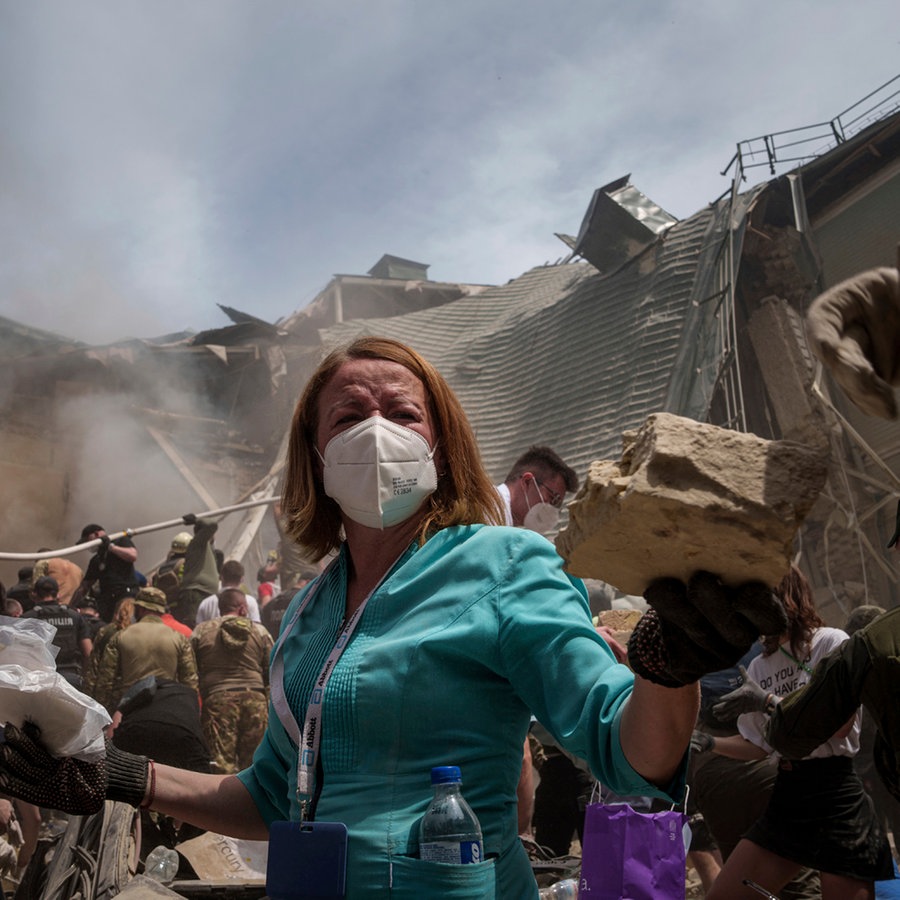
159, 157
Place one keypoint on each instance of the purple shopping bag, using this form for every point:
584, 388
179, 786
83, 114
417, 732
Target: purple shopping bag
628, 855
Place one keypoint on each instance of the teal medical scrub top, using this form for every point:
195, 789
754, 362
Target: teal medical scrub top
465, 638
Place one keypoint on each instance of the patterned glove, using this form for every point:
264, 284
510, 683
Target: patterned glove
29, 772
749, 697
700, 627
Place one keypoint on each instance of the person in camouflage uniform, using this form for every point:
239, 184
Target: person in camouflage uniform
200, 575
148, 647
233, 661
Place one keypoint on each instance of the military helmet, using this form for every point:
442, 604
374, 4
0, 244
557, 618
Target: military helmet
180, 541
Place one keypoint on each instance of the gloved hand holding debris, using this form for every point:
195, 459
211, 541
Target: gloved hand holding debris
700, 627
854, 328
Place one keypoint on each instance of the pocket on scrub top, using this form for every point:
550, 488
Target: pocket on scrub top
413, 879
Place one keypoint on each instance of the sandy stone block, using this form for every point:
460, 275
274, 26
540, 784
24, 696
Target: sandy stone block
621, 622
688, 496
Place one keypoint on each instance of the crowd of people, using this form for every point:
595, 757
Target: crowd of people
194, 696
441, 630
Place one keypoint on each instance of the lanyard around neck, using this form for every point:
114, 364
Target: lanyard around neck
309, 738
805, 666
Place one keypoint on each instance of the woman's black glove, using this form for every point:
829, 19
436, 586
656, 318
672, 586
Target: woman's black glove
749, 697
29, 772
700, 627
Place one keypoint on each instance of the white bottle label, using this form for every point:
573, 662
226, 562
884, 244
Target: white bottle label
452, 851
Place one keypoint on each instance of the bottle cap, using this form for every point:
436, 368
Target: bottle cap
446, 775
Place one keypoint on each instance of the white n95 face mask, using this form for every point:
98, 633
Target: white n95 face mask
379, 473
542, 517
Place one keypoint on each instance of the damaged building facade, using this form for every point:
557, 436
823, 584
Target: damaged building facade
700, 318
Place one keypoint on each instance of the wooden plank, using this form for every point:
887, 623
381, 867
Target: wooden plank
183, 468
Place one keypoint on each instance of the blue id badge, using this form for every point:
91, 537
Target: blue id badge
307, 861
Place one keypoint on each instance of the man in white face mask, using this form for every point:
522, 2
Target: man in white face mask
534, 490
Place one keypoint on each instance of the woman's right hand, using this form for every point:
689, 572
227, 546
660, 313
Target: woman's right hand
700, 627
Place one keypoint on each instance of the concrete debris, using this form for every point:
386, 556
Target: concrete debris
688, 496
621, 621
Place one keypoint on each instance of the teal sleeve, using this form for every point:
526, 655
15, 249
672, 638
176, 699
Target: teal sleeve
563, 670
266, 779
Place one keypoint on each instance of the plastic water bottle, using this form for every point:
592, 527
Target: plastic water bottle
449, 831
161, 864
567, 889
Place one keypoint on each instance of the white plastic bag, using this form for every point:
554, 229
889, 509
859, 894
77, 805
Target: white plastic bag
32, 690
27, 643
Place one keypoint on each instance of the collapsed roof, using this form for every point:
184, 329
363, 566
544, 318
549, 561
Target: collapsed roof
667, 318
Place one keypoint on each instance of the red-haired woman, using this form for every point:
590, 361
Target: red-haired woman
819, 815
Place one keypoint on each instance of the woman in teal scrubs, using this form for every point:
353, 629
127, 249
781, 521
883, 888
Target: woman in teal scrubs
430, 639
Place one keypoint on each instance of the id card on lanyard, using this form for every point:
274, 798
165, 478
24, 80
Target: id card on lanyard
307, 859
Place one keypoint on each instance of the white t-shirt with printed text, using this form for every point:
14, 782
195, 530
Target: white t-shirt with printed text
780, 674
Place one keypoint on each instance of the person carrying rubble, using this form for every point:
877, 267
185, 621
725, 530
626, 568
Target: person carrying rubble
429, 640
200, 576
111, 568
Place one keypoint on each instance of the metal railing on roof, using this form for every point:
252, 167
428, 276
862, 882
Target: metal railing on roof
801, 145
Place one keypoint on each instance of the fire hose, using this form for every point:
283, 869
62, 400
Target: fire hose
143, 529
